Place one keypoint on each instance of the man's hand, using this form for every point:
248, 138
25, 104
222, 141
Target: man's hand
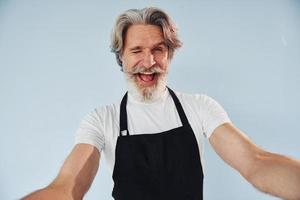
75, 176
271, 173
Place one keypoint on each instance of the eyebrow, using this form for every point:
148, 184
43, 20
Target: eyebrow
155, 45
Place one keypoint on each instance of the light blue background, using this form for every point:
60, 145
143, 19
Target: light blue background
56, 66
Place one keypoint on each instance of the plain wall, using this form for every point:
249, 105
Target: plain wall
56, 66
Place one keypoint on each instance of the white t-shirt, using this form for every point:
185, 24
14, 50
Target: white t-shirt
100, 127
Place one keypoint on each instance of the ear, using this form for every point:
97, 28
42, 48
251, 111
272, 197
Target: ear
121, 57
120, 62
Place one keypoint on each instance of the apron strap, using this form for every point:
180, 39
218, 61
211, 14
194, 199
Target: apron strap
179, 108
123, 115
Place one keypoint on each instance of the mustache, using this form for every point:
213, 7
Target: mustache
141, 69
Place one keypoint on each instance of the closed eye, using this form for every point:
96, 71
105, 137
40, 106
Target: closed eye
136, 51
158, 49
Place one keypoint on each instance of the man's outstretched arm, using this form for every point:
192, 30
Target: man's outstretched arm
271, 173
75, 176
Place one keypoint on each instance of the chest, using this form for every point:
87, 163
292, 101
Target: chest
147, 120
152, 119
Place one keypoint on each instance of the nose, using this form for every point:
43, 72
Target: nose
148, 60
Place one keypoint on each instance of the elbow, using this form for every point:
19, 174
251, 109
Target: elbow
254, 172
67, 188
259, 172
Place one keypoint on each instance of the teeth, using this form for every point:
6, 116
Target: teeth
147, 73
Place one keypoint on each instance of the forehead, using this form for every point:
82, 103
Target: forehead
143, 35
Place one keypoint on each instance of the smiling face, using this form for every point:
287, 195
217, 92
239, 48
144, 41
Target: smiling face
145, 60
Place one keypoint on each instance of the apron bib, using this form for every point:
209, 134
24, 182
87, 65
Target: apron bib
160, 166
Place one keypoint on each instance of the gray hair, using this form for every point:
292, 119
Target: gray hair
150, 15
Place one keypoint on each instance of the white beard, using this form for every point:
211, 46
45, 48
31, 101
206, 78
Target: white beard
146, 94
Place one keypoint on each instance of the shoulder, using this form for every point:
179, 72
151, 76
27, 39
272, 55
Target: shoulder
196, 99
105, 112
209, 111
201, 104
101, 114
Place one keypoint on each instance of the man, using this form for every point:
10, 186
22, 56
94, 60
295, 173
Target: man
152, 139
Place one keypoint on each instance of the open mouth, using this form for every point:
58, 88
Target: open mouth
146, 77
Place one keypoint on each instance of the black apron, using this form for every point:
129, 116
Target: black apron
160, 166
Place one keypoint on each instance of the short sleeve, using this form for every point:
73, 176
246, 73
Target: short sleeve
214, 115
91, 131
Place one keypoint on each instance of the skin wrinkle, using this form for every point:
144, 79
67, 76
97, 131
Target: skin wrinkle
145, 51
146, 16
